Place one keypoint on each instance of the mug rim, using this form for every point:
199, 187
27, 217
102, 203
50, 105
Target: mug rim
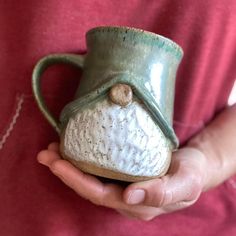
137, 31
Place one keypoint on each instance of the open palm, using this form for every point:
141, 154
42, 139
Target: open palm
145, 200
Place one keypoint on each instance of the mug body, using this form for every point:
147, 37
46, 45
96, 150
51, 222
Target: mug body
132, 142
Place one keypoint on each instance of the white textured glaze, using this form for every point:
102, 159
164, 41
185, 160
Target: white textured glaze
123, 139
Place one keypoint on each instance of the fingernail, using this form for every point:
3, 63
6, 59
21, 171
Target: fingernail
41, 160
137, 196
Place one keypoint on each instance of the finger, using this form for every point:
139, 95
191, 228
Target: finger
127, 214
141, 212
76, 179
47, 157
182, 186
85, 185
53, 147
178, 206
88, 186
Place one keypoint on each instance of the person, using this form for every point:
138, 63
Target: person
199, 189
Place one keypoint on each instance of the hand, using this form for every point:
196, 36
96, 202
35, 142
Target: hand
180, 188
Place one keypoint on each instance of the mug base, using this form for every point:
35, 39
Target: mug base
90, 168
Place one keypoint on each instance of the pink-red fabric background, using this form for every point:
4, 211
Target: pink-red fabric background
32, 200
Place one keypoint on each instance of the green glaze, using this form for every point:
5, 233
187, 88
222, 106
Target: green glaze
146, 61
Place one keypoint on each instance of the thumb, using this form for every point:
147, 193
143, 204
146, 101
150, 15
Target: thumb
164, 191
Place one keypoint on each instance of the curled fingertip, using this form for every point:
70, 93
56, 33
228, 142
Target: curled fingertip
42, 157
47, 157
54, 147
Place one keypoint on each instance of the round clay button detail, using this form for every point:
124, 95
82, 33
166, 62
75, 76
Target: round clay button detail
121, 94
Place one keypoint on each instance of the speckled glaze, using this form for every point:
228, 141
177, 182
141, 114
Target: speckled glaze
127, 143
125, 140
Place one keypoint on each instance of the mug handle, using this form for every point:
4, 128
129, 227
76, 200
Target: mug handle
41, 66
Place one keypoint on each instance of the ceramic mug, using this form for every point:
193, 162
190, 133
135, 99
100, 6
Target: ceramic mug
119, 125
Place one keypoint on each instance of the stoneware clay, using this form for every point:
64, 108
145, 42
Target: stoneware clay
119, 125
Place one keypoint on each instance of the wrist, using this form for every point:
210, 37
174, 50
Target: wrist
215, 147
202, 143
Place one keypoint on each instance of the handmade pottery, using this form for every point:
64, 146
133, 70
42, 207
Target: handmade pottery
120, 124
